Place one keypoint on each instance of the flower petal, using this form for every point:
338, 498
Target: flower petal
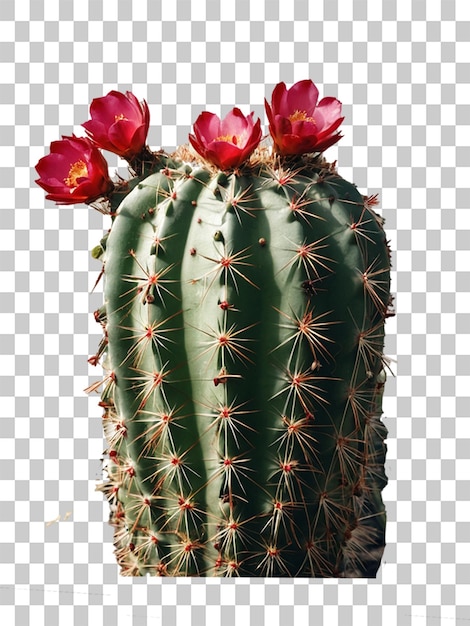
278, 98
328, 112
106, 108
224, 155
197, 145
207, 127
302, 96
235, 123
121, 133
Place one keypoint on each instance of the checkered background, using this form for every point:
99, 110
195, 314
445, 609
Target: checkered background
402, 71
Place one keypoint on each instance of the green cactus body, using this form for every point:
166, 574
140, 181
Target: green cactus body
244, 327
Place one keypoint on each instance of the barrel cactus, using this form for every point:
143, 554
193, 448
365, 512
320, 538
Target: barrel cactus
246, 291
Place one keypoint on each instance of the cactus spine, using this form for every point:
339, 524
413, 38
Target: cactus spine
244, 318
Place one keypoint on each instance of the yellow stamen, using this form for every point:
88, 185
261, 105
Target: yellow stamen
118, 118
300, 116
235, 139
77, 170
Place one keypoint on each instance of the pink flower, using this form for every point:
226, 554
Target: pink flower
226, 143
298, 124
74, 171
119, 123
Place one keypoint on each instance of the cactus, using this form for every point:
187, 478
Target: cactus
243, 334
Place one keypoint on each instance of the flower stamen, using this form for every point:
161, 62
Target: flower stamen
77, 170
235, 139
301, 116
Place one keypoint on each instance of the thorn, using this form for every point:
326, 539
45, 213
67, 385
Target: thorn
371, 201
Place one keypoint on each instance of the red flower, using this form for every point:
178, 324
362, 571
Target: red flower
74, 171
119, 123
298, 124
226, 143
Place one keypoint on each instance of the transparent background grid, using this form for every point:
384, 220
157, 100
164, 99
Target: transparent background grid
402, 71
